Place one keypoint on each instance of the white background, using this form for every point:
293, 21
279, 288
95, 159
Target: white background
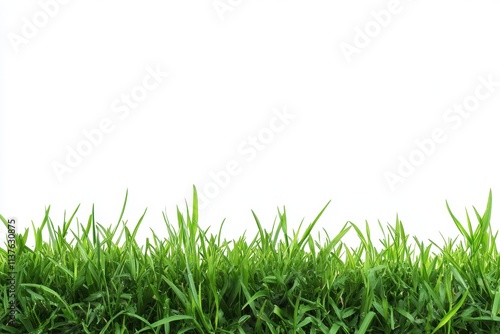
354, 116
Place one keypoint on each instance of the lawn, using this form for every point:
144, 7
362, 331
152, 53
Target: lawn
90, 278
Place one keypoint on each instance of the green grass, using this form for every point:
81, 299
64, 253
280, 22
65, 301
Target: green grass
97, 279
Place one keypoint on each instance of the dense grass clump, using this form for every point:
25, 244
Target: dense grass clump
99, 280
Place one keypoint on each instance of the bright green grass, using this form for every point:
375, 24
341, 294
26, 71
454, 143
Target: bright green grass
99, 280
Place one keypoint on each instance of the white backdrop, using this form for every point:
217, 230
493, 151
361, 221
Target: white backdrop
383, 107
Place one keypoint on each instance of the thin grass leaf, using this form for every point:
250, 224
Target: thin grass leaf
451, 313
366, 323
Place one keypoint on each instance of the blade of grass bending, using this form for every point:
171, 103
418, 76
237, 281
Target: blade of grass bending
484, 223
220, 231
460, 226
38, 232
251, 299
133, 315
52, 232
4, 221
326, 249
123, 208
261, 231
366, 322
487, 212
435, 297
168, 320
405, 314
53, 293
68, 223
481, 236
282, 226
8, 329
182, 297
134, 233
66, 270
104, 330
196, 297
451, 313
311, 226
469, 226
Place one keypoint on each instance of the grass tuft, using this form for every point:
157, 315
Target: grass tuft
87, 278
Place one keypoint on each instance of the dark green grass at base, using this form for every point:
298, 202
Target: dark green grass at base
99, 280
